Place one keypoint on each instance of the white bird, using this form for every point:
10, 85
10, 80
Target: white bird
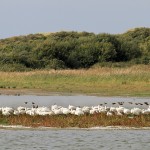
73, 112
146, 112
120, 109
113, 109
55, 107
16, 112
103, 110
119, 114
79, 112
86, 109
109, 113
22, 110
92, 111
7, 110
57, 112
136, 111
44, 109
31, 112
65, 111
71, 107
126, 111
6, 113
45, 113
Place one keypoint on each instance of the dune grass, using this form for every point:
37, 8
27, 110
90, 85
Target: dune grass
104, 81
85, 121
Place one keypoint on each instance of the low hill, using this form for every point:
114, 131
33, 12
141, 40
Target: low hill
73, 50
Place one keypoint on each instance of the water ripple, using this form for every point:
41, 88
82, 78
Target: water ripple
74, 139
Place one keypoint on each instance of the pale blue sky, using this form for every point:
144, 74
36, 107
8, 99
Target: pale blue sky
20, 17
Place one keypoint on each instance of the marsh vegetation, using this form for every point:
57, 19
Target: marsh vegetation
109, 81
85, 121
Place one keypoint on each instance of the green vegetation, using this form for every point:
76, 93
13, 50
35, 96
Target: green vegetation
73, 62
114, 81
84, 121
73, 50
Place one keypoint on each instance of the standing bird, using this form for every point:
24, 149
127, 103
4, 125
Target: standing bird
130, 103
33, 105
146, 103
120, 103
140, 104
113, 103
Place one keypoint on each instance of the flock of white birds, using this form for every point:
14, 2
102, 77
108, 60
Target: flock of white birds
59, 110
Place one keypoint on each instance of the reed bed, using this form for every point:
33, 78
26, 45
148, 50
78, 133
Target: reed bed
132, 81
85, 121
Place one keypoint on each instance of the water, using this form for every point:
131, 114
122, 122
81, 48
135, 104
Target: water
74, 139
80, 100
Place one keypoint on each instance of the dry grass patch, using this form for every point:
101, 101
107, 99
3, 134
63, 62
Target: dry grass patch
133, 80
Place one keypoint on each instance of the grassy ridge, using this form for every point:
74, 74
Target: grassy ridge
85, 121
132, 81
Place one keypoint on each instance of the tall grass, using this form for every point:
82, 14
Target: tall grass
133, 81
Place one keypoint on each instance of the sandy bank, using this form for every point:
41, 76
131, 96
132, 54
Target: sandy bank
20, 127
38, 92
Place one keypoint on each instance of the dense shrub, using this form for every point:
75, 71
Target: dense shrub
73, 50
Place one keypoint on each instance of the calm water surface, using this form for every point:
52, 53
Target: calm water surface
74, 139
80, 100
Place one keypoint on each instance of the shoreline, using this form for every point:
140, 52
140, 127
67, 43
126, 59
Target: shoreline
41, 92
20, 127
36, 92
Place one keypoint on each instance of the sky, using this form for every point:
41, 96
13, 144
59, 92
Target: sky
22, 17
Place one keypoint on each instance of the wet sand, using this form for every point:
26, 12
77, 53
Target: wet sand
73, 128
38, 92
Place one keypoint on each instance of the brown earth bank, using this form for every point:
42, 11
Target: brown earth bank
38, 92
43, 92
